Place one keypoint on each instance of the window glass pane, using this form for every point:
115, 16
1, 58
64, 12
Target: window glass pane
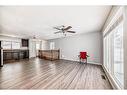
44, 45
110, 51
15, 45
118, 53
37, 46
104, 44
52, 45
107, 47
105, 52
6, 45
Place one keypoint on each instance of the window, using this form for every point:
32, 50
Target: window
6, 45
43, 45
52, 45
108, 51
37, 46
15, 45
11, 45
105, 52
118, 53
113, 54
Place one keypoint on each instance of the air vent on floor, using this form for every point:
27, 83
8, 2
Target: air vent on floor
103, 77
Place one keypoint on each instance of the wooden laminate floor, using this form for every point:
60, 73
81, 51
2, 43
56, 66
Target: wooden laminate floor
60, 74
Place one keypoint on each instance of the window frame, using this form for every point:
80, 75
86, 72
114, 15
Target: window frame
15, 42
11, 42
108, 42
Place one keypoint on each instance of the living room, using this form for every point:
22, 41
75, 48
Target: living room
37, 53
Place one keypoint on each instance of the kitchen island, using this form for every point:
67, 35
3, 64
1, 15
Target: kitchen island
49, 54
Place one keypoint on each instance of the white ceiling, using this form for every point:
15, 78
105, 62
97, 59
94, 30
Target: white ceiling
27, 21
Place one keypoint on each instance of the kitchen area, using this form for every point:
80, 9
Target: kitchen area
12, 51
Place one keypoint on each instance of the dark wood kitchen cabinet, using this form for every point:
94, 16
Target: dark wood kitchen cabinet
1, 55
1, 58
25, 43
15, 55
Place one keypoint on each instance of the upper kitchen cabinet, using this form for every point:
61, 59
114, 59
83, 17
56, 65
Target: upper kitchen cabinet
25, 43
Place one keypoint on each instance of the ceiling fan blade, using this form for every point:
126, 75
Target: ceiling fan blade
67, 28
58, 32
71, 31
56, 28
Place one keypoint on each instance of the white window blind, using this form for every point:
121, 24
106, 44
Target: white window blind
6, 45
15, 45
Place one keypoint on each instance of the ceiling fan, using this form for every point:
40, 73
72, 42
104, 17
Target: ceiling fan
63, 29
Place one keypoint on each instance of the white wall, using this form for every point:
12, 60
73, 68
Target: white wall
71, 46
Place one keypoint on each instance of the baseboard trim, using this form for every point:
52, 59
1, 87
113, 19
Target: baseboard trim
111, 80
87, 62
95, 63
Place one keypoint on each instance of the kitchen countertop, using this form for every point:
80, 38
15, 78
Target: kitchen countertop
14, 50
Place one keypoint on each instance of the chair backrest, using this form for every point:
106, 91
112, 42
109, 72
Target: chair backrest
83, 55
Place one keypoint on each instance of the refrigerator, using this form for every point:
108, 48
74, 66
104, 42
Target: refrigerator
1, 54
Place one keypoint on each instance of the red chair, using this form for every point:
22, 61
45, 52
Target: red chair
83, 56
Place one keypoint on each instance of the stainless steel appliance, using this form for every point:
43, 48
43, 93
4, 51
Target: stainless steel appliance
1, 54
